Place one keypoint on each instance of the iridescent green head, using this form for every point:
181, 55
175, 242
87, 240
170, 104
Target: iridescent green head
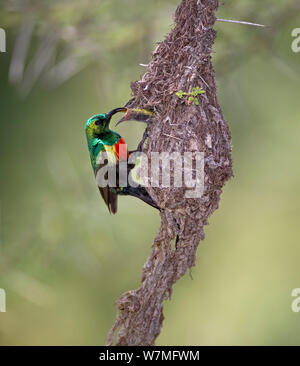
99, 123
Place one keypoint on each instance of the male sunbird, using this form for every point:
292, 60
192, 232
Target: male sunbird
101, 139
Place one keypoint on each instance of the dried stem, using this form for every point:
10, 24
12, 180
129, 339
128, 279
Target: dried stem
240, 22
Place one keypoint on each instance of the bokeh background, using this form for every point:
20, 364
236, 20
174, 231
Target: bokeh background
63, 259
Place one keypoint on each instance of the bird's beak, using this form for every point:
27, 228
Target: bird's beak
126, 117
114, 111
136, 114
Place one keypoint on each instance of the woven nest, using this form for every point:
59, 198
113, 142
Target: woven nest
181, 62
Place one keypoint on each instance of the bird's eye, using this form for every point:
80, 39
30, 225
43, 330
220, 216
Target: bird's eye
97, 122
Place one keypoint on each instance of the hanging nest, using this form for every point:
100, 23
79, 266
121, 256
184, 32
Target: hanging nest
180, 65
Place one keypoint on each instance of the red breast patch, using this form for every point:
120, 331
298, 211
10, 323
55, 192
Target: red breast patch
121, 149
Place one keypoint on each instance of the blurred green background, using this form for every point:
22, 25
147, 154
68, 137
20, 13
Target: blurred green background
63, 259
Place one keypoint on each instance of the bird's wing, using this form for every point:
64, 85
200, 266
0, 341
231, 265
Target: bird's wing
109, 196
114, 153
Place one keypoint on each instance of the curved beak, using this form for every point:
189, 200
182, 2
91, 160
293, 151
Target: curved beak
114, 111
137, 114
126, 117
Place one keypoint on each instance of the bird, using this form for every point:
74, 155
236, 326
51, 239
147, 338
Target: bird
140, 115
108, 149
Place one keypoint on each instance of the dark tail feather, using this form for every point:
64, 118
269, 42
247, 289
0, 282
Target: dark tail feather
110, 198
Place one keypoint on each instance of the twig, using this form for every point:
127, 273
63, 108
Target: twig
173, 137
241, 22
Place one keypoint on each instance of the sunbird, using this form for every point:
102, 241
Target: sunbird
101, 139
